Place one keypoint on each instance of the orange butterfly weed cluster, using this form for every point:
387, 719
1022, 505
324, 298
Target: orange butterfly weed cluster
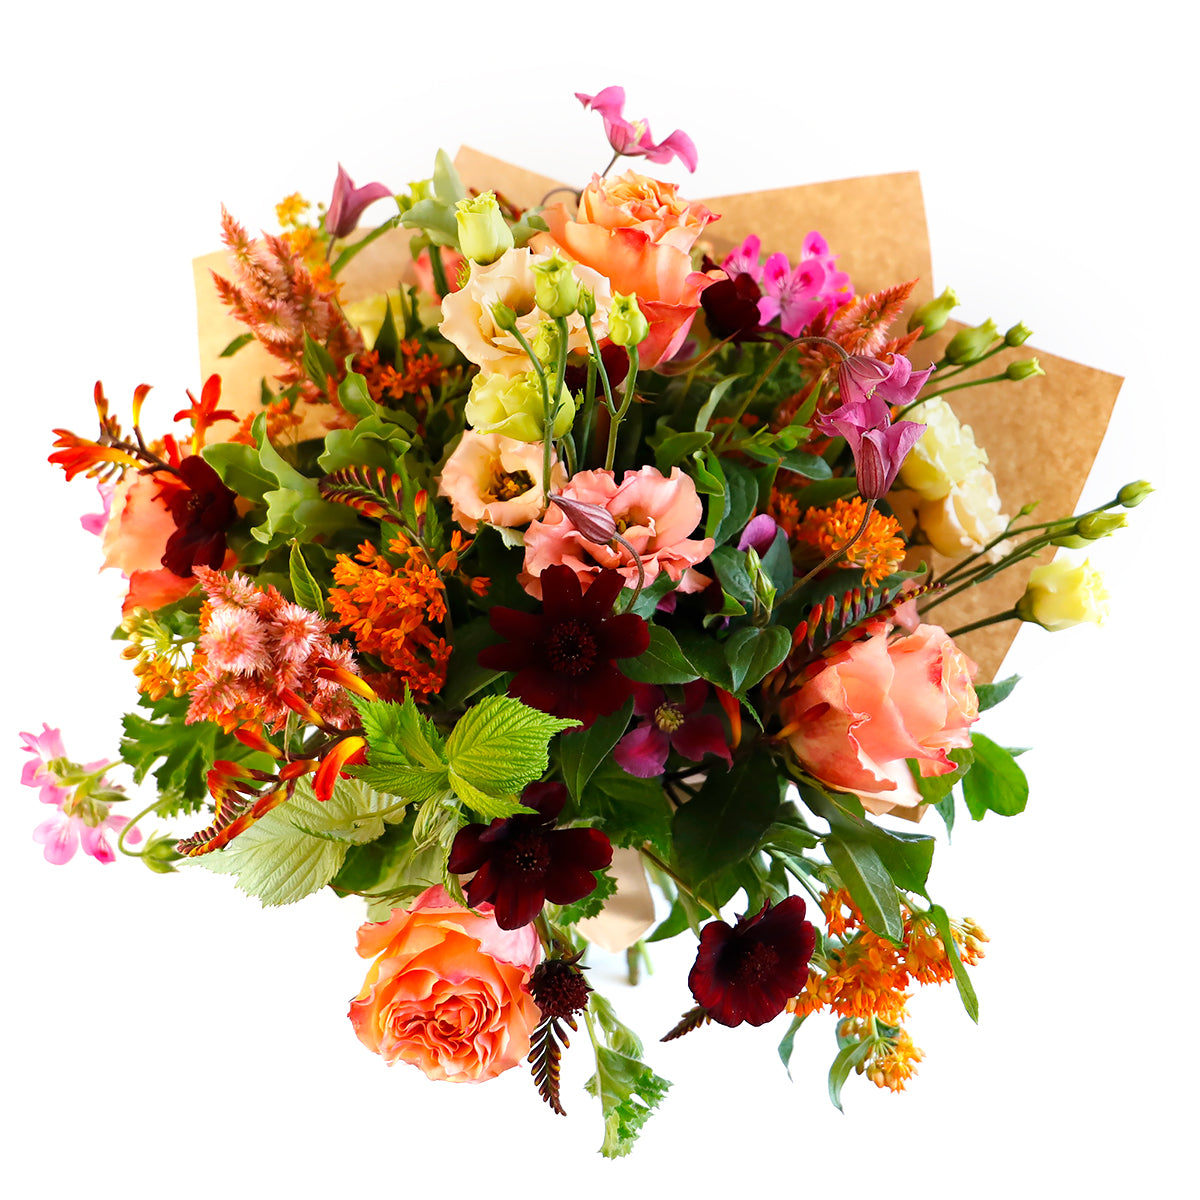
879, 550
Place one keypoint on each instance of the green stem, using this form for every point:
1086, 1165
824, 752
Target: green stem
956, 387
626, 401
1011, 615
662, 866
350, 251
439, 270
121, 839
838, 553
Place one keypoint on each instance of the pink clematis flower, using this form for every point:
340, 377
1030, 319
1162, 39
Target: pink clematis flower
348, 202
869, 390
78, 792
632, 138
670, 726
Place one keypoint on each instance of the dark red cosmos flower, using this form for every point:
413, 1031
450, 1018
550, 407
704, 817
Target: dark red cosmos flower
564, 656
748, 972
521, 862
731, 308
202, 508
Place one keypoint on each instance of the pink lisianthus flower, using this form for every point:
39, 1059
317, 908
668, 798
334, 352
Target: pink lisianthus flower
671, 725
82, 796
654, 514
632, 138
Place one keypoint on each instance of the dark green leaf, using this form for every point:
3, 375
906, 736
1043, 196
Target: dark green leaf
994, 783
848, 1057
662, 662
752, 653
464, 675
862, 872
714, 398
732, 573
580, 752
966, 989
990, 694
631, 810
674, 448
741, 499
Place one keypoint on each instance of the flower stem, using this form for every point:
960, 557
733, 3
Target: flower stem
1010, 615
627, 400
649, 854
838, 553
121, 837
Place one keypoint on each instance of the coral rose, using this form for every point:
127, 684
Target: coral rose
652, 512
638, 234
879, 703
448, 990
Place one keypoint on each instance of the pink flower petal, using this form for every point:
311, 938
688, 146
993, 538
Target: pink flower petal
59, 837
643, 751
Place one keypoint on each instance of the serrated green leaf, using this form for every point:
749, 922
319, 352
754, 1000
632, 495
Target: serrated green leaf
628, 1092
864, 876
994, 783
499, 745
966, 989
392, 727
661, 662
591, 904
297, 848
482, 803
305, 589
581, 751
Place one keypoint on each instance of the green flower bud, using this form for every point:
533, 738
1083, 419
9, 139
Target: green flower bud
934, 314
1018, 335
544, 342
555, 288
967, 345
1023, 369
1060, 595
626, 325
586, 306
483, 233
1132, 494
1101, 524
764, 589
503, 317
160, 854
1071, 541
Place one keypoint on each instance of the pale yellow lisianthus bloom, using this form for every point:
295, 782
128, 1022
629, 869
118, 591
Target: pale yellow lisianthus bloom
967, 518
515, 408
1061, 594
945, 455
369, 314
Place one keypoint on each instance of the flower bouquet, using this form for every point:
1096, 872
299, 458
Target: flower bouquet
539, 551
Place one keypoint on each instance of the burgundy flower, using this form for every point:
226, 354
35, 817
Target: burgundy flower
521, 862
348, 202
749, 972
203, 509
564, 656
731, 308
678, 726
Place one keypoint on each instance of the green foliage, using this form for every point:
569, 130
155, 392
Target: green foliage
788, 1042
966, 990
662, 662
864, 876
994, 783
297, 848
582, 751
591, 904
630, 810
851, 1055
990, 694
305, 590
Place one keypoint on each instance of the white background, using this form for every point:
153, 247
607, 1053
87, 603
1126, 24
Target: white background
165, 1036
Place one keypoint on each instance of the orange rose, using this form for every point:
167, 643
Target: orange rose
447, 991
638, 233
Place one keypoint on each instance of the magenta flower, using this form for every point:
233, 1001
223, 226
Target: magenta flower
670, 726
745, 259
348, 202
793, 294
632, 138
82, 796
95, 522
520, 862
869, 389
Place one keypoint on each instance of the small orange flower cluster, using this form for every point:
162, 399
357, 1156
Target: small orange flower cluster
877, 553
281, 417
867, 978
306, 240
160, 658
390, 609
421, 371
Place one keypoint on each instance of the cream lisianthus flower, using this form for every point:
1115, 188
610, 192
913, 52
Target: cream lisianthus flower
967, 518
945, 455
1061, 594
496, 479
514, 407
467, 314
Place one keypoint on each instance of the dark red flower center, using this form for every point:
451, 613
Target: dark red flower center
755, 963
528, 855
571, 647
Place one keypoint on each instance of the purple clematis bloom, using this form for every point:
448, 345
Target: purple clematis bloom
869, 389
680, 727
347, 204
632, 138
759, 534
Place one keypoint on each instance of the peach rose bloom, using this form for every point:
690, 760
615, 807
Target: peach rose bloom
638, 233
878, 703
467, 313
654, 514
134, 540
447, 990
496, 479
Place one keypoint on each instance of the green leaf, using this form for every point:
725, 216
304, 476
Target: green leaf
484, 804
464, 675
285, 474
305, 589
631, 810
661, 662
714, 398
708, 657
647, 602
726, 819
741, 498
994, 783
628, 1092
671, 450
318, 363
990, 694
848, 1057
945, 810
407, 753
966, 989
297, 848
788, 1043
936, 788
242, 339
581, 751
239, 469
752, 653
733, 574
862, 872
500, 745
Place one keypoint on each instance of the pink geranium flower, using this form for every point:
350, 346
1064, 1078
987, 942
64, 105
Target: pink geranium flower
632, 138
78, 792
670, 725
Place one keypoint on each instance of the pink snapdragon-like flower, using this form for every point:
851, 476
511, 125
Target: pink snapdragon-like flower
632, 138
81, 795
670, 725
654, 514
348, 202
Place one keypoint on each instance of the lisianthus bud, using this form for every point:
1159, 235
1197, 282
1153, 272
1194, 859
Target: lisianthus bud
1132, 494
483, 233
586, 305
934, 314
1101, 524
1018, 335
1060, 594
514, 407
626, 325
967, 345
594, 522
503, 317
555, 288
1023, 369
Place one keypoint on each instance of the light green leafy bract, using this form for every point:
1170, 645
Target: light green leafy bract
628, 1092
297, 848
